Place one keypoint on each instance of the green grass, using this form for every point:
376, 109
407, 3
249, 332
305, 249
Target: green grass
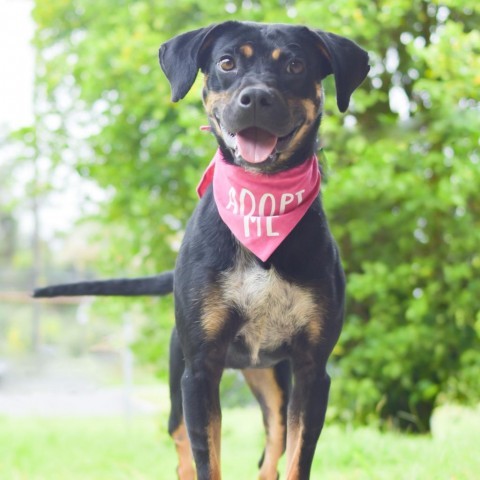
109, 449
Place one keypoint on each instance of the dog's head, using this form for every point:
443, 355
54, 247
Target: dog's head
262, 91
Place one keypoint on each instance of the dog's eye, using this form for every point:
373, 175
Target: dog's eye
296, 67
226, 63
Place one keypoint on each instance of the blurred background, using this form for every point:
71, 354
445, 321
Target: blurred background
98, 171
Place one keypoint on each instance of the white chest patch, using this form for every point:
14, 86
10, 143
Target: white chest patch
274, 309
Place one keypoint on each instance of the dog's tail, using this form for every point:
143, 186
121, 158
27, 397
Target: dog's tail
124, 287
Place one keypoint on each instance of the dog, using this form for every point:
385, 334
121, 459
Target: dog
258, 283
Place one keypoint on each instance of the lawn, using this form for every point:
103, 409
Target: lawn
112, 449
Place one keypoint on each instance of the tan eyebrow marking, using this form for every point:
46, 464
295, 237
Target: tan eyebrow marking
246, 50
276, 53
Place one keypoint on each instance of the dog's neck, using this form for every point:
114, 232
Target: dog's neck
261, 209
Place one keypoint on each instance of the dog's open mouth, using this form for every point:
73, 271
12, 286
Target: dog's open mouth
256, 145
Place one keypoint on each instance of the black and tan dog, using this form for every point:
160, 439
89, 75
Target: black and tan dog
278, 317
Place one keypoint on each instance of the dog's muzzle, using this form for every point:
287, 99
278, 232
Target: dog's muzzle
257, 124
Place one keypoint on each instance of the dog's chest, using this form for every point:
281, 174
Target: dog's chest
273, 310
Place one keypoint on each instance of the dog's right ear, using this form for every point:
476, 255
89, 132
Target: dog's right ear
180, 57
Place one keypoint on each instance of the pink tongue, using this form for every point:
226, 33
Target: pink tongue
255, 145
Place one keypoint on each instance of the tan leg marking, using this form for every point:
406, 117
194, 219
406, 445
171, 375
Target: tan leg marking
185, 469
294, 446
262, 381
214, 432
213, 314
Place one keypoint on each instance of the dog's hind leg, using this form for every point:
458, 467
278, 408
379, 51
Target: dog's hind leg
176, 423
271, 387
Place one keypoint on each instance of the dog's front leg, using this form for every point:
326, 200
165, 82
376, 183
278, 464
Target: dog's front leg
201, 404
306, 417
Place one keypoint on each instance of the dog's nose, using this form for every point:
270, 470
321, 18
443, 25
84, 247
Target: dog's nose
256, 98
258, 105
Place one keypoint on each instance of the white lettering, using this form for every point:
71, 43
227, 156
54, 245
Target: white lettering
287, 199
300, 196
246, 225
263, 201
232, 200
259, 226
243, 194
270, 232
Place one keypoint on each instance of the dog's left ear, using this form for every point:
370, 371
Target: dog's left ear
346, 60
180, 57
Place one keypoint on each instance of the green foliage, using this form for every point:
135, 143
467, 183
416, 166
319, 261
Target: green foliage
405, 211
402, 196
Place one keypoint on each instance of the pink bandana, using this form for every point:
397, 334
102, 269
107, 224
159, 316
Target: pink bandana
260, 209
